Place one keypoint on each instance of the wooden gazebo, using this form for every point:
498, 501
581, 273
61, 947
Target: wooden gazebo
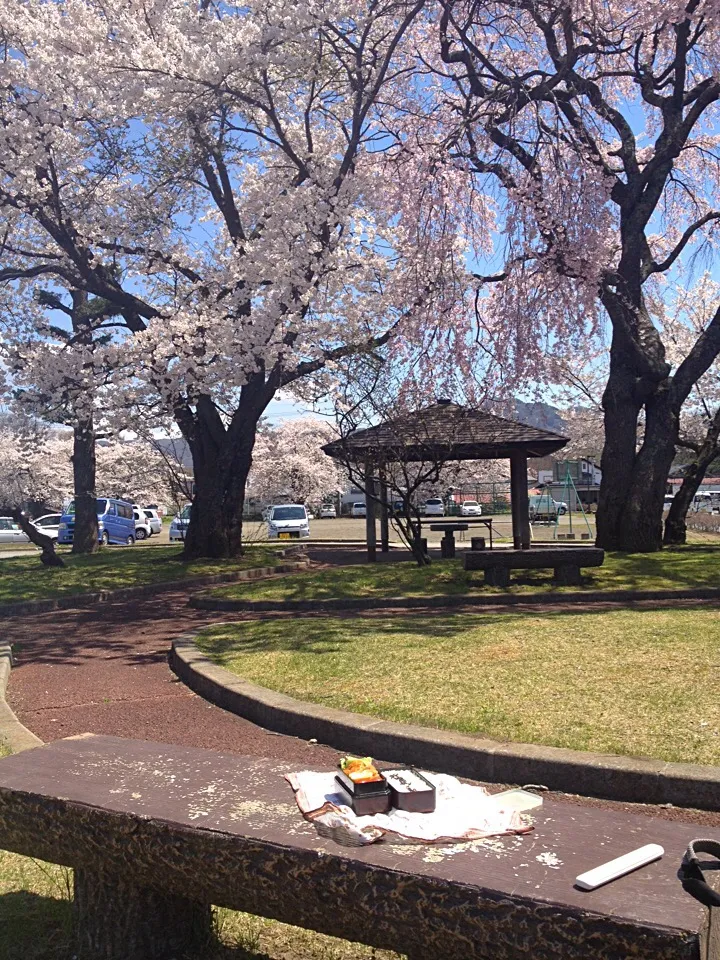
445, 431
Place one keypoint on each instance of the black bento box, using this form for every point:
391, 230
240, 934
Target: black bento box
365, 799
410, 791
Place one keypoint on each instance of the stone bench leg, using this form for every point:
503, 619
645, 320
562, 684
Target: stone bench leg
447, 547
568, 574
497, 576
116, 920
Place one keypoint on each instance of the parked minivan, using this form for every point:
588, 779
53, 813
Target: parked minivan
116, 523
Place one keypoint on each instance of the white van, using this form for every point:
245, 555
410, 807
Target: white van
358, 510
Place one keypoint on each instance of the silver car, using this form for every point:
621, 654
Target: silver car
153, 518
10, 531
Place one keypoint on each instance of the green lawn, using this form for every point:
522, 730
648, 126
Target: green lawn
24, 578
616, 682
689, 566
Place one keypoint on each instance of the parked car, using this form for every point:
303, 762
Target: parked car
328, 511
10, 531
180, 524
470, 508
153, 518
116, 523
143, 530
48, 524
542, 507
289, 522
434, 507
562, 507
358, 510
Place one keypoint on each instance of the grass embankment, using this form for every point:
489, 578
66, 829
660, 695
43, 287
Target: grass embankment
24, 578
616, 682
678, 569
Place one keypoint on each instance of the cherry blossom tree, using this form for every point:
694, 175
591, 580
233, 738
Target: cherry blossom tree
245, 185
35, 466
289, 463
595, 123
57, 372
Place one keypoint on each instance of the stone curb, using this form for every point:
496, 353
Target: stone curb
569, 771
150, 589
12, 731
208, 602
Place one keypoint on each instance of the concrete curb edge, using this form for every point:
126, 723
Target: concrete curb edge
12, 731
571, 771
137, 593
206, 601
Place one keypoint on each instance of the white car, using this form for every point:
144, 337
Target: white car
328, 512
153, 518
143, 530
358, 510
48, 524
434, 507
470, 508
288, 522
180, 524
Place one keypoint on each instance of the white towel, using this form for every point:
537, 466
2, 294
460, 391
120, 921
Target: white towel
462, 812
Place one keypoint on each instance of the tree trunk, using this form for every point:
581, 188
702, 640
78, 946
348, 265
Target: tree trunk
46, 544
85, 536
676, 521
632, 489
641, 517
621, 411
117, 920
221, 464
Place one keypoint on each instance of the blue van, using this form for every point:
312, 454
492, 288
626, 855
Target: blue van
116, 522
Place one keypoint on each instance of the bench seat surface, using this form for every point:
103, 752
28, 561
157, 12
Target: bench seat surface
90, 798
535, 558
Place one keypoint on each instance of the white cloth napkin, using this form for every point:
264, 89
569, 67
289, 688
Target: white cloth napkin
462, 812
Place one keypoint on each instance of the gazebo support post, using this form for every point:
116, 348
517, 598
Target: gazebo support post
519, 501
384, 514
370, 504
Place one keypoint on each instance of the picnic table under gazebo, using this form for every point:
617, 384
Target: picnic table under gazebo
444, 432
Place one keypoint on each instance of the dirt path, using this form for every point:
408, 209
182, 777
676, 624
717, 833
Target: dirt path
104, 670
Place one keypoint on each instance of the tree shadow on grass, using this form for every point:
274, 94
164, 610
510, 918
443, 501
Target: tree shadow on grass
321, 636
34, 927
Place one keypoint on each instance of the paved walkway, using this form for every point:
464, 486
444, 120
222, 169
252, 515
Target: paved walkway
104, 670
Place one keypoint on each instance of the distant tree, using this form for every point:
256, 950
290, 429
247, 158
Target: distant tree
289, 463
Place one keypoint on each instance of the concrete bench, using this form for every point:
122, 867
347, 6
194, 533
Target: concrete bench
565, 561
158, 833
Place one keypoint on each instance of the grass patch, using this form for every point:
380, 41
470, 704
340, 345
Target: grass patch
680, 568
616, 682
24, 578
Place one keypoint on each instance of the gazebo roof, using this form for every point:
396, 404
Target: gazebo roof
445, 431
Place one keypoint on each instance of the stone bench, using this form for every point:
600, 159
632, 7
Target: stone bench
447, 544
157, 833
565, 561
